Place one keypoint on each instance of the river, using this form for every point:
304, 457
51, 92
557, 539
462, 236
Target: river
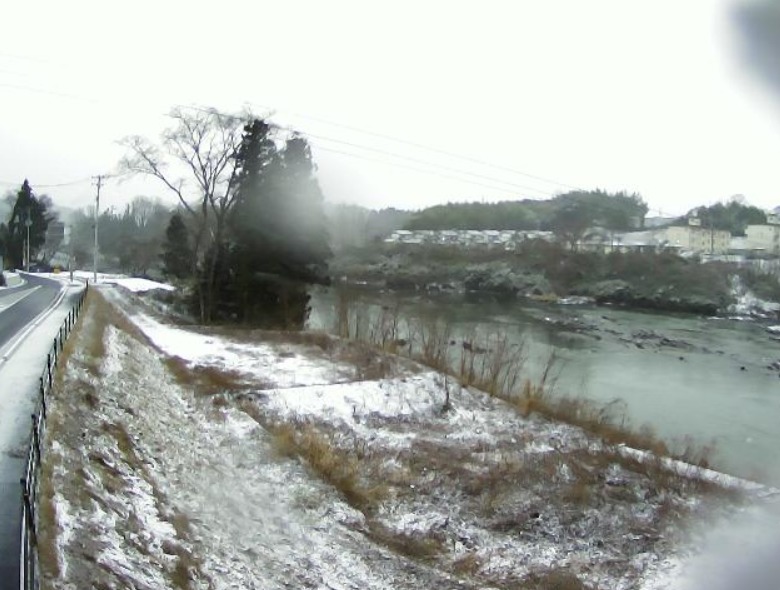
686, 377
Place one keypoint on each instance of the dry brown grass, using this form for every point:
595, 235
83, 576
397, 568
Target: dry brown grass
420, 546
321, 340
92, 343
467, 564
79, 338
607, 422
496, 366
339, 467
369, 365
47, 533
208, 380
557, 579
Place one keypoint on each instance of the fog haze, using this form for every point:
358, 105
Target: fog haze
660, 98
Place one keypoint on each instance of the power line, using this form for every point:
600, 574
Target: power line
23, 58
427, 163
436, 150
416, 169
57, 185
397, 155
49, 92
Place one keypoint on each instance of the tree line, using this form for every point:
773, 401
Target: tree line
617, 210
249, 235
570, 215
246, 239
732, 216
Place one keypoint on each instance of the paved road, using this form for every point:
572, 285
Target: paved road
18, 307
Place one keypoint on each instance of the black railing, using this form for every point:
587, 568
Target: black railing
29, 539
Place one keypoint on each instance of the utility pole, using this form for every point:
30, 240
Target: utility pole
70, 252
27, 223
97, 216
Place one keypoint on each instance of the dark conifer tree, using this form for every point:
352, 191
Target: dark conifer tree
279, 243
27, 209
177, 252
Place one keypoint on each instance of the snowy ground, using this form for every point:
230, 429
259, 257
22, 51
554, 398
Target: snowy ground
265, 460
12, 280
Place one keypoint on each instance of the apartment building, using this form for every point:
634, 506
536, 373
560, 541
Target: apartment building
697, 239
765, 238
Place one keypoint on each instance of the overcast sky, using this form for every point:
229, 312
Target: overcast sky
647, 96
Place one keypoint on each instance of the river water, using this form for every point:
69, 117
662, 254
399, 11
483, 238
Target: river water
686, 377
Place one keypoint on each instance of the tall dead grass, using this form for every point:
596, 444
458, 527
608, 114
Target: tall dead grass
498, 366
206, 380
348, 470
338, 467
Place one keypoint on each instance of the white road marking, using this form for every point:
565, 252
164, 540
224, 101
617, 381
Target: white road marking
9, 348
16, 298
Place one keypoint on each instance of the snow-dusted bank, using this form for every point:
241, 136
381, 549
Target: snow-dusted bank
240, 459
12, 280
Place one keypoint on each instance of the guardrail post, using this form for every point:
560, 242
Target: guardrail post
29, 513
36, 436
43, 397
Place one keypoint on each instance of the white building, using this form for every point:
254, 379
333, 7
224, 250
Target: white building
764, 237
699, 240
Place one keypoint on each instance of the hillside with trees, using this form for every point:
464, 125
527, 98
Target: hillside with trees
353, 226
129, 240
569, 214
733, 216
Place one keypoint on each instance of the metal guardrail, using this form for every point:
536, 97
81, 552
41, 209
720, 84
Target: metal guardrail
29, 578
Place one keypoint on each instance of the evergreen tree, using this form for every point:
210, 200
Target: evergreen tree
177, 252
27, 210
279, 240
733, 216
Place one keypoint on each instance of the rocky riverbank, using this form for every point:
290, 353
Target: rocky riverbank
676, 286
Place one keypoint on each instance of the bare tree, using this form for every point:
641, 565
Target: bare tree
144, 210
196, 160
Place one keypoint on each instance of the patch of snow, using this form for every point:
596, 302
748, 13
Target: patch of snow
132, 284
137, 285
257, 360
65, 522
702, 473
12, 280
254, 521
748, 305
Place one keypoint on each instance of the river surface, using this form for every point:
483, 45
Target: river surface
686, 377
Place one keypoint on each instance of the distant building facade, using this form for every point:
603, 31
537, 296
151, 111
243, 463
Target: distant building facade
602, 240
699, 240
467, 238
690, 239
765, 238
